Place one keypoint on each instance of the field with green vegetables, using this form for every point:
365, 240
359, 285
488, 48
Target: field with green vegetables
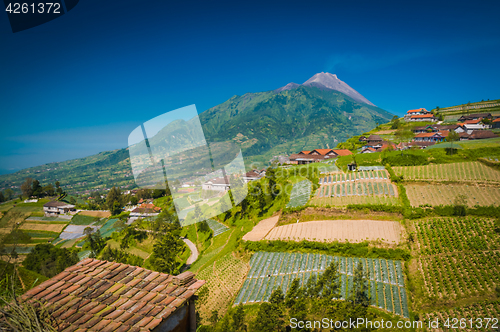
270, 270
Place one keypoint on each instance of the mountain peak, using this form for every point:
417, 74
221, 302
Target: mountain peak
331, 82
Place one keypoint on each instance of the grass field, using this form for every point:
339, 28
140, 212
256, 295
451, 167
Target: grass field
132, 250
445, 194
470, 171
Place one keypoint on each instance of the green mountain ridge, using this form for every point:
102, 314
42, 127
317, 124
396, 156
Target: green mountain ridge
263, 123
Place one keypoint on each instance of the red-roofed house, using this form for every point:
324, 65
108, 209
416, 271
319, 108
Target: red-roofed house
415, 112
431, 137
496, 123
96, 295
423, 117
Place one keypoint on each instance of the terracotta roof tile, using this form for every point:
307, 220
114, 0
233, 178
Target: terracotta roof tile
145, 321
156, 310
106, 296
101, 325
152, 285
154, 323
75, 317
134, 320
126, 328
158, 298
119, 302
136, 307
111, 327
97, 309
114, 315
133, 282
62, 275
125, 317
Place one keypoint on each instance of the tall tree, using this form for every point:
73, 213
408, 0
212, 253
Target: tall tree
27, 187
453, 136
37, 189
114, 200
359, 291
165, 252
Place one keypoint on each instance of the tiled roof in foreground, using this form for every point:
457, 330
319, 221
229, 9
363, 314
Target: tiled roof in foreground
106, 296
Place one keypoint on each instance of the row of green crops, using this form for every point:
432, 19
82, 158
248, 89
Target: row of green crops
270, 270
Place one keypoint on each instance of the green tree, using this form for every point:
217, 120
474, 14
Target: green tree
27, 187
37, 189
49, 260
58, 188
114, 201
94, 242
165, 252
214, 318
403, 136
460, 205
9, 194
359, 291
2, 198
453, 136
238, 319
49, 190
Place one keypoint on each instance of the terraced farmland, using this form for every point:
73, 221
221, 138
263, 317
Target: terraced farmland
339, 230
216, 227
444, 194
300, 194
470, 171
478, 312
224, 278
270, 270
354, 176
360, 188
459, 256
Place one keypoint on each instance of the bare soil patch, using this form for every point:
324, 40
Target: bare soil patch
43, 227
319, 213
100, 214
339, 230
261, 229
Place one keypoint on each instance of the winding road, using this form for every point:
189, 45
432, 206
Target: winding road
194, 251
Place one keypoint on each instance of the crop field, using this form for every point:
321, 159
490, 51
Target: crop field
47, 220
343, 201
470, 171
270, 270
182, 203
445, 194
300, 194
478, 312
339, 230
360, 188
216, 227
80, 219
354, 176
459, 256
100, 214
224, 278
42, 227
108, 228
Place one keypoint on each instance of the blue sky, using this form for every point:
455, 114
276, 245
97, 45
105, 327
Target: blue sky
81, 83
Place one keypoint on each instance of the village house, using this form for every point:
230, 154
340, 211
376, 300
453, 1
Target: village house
436, 128
471, 125
423, 117
482, 134
55, 208
495, 124
97, 295
432, 136
374, 140
217, 184
477, 116
420, 113
307, 157
254, 175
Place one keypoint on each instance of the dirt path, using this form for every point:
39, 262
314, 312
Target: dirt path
194, 251
262, 229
